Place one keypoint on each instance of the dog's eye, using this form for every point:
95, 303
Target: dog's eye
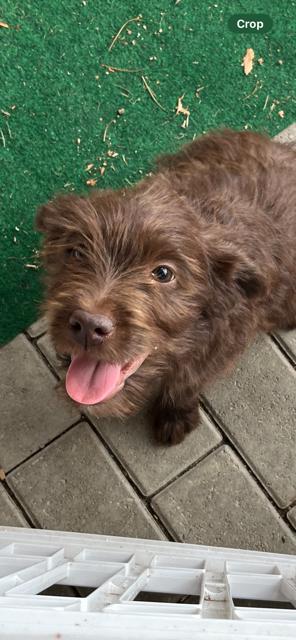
163, 274
74, 253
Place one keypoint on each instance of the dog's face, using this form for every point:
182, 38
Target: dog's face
124, 279
135, 281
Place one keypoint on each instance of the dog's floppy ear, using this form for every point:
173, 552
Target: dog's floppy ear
43, 217
55, 214
230, 265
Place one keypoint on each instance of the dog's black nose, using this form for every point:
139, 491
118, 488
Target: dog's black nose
89, 329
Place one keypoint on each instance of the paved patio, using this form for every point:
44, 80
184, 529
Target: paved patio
231, 483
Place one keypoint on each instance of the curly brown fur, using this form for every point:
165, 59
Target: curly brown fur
221, 214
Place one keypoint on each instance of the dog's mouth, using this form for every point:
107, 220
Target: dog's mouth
90, 381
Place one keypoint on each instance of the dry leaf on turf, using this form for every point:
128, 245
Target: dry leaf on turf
248, 61
91, 182
184, 111
4, 25
260, 61
281, 114
89, 166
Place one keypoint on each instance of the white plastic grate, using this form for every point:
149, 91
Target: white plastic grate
61, 586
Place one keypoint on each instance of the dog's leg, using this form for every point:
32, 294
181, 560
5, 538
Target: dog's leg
175, 415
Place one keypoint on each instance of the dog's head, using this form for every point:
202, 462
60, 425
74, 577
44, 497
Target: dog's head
122, 274
129, 280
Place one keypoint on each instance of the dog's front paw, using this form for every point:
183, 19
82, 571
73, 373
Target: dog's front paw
172, 427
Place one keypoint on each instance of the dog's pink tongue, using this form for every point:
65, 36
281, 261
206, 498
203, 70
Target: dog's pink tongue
89, 381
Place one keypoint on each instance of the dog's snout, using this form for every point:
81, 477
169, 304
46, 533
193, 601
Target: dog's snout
89, 329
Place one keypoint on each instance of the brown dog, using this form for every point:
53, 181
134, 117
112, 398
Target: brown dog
155, 290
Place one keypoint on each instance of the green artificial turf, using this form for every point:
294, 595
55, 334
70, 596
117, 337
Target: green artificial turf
63, 104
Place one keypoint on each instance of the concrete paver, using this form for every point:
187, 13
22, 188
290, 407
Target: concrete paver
219, 503
287, 135
256, 407
10, 516
46, 347
292, 516
37, 328
287, 339
32, 411
74, 485
150, 465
